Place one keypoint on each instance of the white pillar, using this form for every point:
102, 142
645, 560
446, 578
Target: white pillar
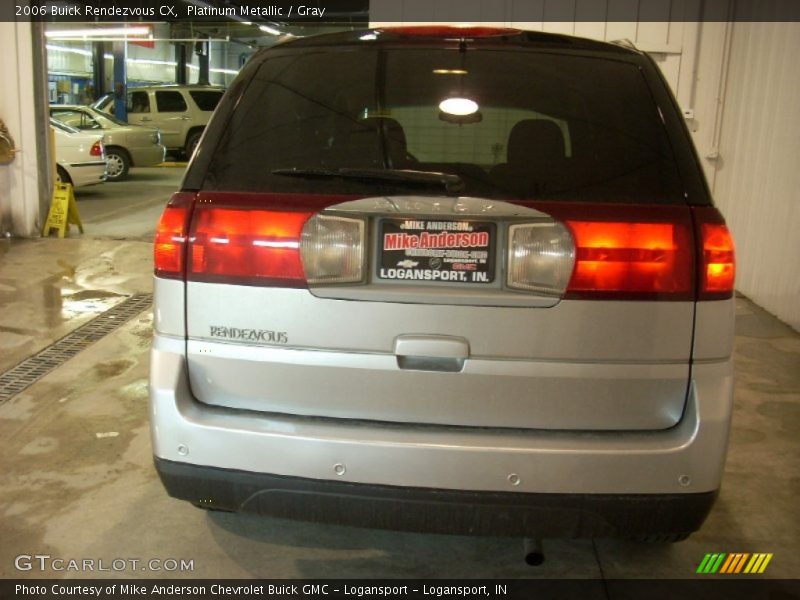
24, 184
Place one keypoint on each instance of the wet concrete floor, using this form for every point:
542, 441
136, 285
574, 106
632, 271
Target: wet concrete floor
78, 482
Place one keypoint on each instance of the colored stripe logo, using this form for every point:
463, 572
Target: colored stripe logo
737, 562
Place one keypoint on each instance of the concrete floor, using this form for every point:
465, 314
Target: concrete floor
127, 209
77, 478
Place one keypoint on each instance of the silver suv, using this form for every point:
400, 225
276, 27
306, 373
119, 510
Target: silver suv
181, 112
450, 280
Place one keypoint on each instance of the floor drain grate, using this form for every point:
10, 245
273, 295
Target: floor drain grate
30, 370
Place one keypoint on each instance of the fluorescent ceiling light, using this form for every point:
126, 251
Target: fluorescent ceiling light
460, 107
170, 63
269, 30
98, 32
80, 51
450, 71
147, 61
136, 61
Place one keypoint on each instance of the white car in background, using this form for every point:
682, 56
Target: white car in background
80, 156
126, 145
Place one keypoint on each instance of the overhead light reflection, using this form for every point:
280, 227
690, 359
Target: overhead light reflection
275, 244
458, 106
80, 51
98, 32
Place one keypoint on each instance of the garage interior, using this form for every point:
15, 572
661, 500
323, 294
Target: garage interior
77, 470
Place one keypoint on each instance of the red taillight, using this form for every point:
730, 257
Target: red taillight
628, 251
170, 242
247, 246
619, 258
96, 149
450, 31
717, 264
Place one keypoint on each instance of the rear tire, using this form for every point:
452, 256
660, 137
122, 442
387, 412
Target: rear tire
661, 538
191, 143
118, 164
61, 175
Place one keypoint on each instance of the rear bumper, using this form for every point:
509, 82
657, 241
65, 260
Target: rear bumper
88, 173
434, 510
148, 156
233, 459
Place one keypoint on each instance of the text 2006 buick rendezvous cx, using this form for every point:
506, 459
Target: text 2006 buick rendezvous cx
451, 280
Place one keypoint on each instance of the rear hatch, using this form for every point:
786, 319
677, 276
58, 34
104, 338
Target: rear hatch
483, 232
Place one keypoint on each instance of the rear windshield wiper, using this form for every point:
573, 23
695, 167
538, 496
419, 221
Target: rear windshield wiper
451, 183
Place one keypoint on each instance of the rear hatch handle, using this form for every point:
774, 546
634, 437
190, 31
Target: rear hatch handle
440, 353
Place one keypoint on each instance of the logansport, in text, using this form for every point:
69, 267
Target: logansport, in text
252, 590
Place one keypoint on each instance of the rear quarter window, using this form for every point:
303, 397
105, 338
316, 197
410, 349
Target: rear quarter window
170, 102
206, 100
547, 125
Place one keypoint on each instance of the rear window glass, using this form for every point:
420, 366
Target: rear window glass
75, 118
62, 126
206, 100
170, 102
511, 124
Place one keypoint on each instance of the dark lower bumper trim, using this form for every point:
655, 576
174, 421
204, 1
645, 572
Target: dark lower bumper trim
89, 164
435, 510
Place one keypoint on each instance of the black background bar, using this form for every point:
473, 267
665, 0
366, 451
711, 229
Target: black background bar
732, 587
342, 11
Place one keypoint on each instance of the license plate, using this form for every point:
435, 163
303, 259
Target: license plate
436, 251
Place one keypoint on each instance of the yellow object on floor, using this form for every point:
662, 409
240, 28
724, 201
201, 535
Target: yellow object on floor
63, 211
